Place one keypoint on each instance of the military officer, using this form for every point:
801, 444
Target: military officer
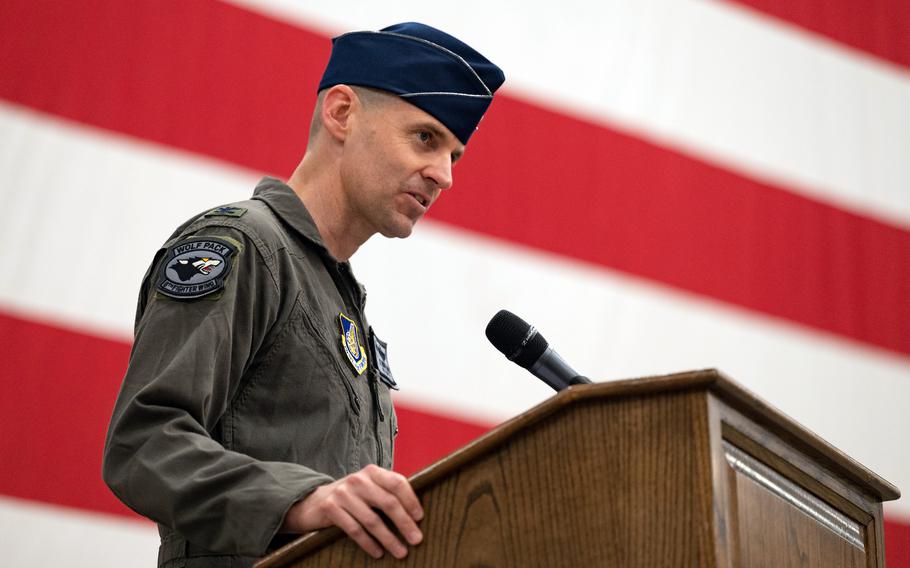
256, 402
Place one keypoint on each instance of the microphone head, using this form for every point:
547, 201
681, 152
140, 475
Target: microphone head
515, 338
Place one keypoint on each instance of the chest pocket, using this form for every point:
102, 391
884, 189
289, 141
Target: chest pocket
299, 404
336, 376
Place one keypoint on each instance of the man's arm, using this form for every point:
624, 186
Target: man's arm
186, 364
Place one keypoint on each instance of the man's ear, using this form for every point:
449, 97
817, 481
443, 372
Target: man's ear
338, 106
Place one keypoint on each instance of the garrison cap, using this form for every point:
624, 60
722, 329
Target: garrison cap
430, 69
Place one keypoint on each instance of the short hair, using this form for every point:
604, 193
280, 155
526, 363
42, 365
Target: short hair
368, 96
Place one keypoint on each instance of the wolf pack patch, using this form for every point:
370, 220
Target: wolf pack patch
195, 267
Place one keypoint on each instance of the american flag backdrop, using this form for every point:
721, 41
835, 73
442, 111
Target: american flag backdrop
661, 185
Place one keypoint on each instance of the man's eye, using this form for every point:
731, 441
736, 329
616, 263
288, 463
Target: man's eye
424, 136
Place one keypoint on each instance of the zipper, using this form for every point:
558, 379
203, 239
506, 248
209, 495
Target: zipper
380, 417
374, 389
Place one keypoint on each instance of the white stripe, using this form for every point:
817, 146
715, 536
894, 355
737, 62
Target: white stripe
708, 78
85, 211
37, 536
430, 296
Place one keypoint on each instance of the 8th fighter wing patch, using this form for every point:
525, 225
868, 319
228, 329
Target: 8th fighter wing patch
195, 267
350, 342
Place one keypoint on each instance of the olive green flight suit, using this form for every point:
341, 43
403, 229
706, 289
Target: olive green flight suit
239, 403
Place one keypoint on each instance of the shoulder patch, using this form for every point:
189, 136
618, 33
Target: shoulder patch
195, 267
226, 212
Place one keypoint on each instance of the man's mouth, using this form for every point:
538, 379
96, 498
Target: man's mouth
424, 202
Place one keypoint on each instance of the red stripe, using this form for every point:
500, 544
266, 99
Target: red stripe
897, 544
200, 75
425, 437
878, 27
238, 86
59, 389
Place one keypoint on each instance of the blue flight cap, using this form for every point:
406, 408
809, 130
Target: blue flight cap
427, 67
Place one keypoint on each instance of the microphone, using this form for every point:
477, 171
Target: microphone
522, 344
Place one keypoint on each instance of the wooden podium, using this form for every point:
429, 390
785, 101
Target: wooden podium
685, 470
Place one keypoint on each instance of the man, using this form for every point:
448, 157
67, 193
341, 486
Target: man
257, 399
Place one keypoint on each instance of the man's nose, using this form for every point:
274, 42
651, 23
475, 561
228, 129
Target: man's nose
440, 171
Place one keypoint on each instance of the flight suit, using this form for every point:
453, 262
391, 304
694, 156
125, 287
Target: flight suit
246, 390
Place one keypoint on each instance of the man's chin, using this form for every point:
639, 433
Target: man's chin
401, 231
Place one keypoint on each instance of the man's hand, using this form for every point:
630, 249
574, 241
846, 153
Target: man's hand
348, 503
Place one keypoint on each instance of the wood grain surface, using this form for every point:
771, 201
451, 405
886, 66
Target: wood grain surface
822, 478
771, 533
634, 474
625, 483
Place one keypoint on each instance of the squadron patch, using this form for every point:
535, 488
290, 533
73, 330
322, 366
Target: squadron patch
350, 342
195, 267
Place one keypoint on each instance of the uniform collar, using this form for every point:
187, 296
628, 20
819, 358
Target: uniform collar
282, 200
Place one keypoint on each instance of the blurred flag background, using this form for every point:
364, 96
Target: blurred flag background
662, 185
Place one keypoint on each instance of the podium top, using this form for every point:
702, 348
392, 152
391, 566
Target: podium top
725, 388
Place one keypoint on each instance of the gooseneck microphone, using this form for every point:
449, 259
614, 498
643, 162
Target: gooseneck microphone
522, 344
